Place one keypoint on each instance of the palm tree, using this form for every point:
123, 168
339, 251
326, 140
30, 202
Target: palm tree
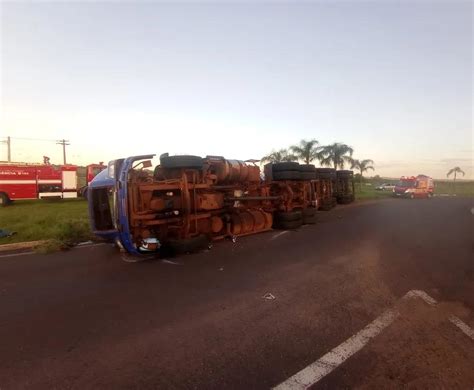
336, 154
455, 170
306, 150
362, 166
281, 155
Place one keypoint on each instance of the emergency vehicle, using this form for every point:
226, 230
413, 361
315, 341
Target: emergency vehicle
91, 171
36, 181
421, 186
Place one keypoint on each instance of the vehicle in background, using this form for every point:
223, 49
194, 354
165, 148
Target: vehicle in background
385, 187
36, 181
91, 171
421, 186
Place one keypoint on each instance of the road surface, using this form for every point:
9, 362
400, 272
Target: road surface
86, 319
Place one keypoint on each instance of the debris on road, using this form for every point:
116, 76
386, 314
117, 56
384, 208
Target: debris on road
269, 296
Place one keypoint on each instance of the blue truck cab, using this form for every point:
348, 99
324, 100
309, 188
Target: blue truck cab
108, 205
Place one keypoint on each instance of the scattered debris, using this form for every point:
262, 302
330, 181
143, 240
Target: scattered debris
221, 269
269, 296
6, 233
170, 262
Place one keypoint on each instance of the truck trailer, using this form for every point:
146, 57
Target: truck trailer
186, 202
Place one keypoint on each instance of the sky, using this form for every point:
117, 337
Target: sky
391, 79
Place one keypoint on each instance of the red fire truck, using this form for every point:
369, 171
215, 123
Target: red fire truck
91, 171
36, 181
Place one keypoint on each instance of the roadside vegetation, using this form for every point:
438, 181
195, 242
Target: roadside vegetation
64, 222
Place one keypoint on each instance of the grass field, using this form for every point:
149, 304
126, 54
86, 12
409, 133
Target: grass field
369, 192
65, 221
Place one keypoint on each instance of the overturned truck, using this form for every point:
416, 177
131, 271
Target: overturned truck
186, 202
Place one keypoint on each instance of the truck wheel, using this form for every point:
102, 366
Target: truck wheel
289, 225
307, 168
285, 166
181, 162
309, 216
282, 216
4, 199
286, 175
308, 175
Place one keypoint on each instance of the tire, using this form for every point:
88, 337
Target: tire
326, 207
307, 168
283, 216
194, 162
286, 175
308, 175
289, 225
309, 212
286, 166
344, 200
187, 245
4, 199
344, 174
325, 176
309, 220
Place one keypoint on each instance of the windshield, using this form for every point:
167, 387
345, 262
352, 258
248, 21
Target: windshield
406, 183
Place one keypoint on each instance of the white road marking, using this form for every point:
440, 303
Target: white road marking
79, 246
466, 329
323, 366
330, 361
279, 234
18, 254
420, 294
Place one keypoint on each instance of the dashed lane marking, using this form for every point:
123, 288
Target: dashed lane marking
310, 375
323, 366
279, 234
465, 328
17, 254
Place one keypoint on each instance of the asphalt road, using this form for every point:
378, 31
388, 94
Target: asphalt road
86, 319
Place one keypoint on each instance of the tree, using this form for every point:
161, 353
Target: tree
306, 150
455, 170
281, 155
362, 166
336, 154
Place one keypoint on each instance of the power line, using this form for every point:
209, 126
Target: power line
9, 153
32, 139
63, 142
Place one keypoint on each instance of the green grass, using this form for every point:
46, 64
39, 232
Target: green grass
63, 221
463, 188
369, 192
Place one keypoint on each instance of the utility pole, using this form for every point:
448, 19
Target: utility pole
63, 142
9, 151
